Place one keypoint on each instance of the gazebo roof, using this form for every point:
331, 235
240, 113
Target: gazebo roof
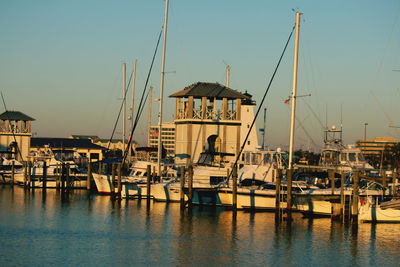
209, 90
15, 116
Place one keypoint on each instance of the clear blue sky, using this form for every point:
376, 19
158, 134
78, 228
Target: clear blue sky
61, 61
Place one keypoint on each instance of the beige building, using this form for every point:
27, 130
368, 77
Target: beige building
208, 118
375, 146
15, 134
167, 138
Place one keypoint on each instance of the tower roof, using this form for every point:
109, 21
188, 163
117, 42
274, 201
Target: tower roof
15, 116
210, 90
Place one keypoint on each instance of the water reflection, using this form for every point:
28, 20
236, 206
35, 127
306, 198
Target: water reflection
93, 230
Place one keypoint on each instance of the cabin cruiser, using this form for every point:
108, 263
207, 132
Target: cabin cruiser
346, 158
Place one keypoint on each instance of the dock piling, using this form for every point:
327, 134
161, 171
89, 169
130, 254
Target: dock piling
58, 178
112, 180
119, 185
148, 182
354, 210
190, 186
63, 178
289, 194
342, 196
234, 188
31, 181
89, 176
331, 175
182, 187
25, 173
278, 194
44, 178
68, 177
12, 173
384, 182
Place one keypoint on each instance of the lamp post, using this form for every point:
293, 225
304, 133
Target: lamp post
365, 131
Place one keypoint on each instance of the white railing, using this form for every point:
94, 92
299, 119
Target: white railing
210, 114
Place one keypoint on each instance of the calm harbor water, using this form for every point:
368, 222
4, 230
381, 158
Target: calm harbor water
38, 230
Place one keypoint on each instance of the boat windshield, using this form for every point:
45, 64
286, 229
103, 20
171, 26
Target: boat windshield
352, 157
361, 157
205, 159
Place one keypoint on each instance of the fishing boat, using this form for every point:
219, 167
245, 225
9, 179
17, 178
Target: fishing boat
336, 154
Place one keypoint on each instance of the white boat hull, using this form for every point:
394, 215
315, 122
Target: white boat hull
250, 198
374, 213
167, 192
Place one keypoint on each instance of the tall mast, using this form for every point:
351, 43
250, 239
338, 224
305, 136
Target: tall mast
132, 109
124, 107
295, 63
149, 120
162, 89
133, 94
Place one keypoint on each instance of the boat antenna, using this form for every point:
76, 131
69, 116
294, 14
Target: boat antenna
12, 128
261, 104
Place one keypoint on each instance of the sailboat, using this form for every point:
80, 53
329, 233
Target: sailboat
263, 196
134, 184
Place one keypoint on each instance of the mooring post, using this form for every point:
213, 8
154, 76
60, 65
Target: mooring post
384, 184
63, 178
190, 186
89, 176
148, 181
331, 175
12, 173
119, 185
44, 178
113, 180
68, 178
394, 183
355, 196
58, 178
289, 193
278, 193
342, 199
182, 187
25, 173
234, 188
31, 179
